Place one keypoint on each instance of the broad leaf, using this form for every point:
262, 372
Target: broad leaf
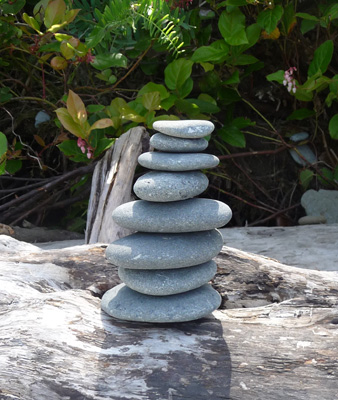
32, 22
71, 149
154, 87
54, 13
177, 72
232, 135
209, 54
3, 144
105, 61
152, 101
301, 114
269, 18
305, 178
76, 108
333, 127
232, 27
277, 76
13, 166
69, 124
322, 58
101, 124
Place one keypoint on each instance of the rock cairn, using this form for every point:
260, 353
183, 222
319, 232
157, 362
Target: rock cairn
167, 264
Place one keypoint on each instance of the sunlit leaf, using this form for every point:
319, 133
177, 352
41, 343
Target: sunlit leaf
333, 127
69, 124
3, 144
54, 13
102, 123
76, 108
58, 63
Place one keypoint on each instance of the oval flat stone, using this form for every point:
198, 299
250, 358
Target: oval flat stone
174, 217
164, 251
177, 162
177, 145
170, 186
124, 303
169, 281
189, 129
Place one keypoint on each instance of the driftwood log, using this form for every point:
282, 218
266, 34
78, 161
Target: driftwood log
274, 338
112, 185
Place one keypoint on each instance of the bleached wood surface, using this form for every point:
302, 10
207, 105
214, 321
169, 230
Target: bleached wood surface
112, 185
57, 344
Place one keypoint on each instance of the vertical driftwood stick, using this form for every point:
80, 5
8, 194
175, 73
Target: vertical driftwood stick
112, 184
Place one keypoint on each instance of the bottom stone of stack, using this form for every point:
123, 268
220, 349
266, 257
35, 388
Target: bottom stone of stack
124, 303
166, 282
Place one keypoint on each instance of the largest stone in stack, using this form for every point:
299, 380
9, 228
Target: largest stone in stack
167, 264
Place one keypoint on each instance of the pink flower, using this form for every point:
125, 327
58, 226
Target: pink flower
85, 147
289, 80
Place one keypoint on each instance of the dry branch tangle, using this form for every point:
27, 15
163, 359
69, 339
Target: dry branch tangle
57, 344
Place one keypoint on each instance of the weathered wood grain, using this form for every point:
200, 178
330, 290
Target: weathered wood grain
112, 185
57, 344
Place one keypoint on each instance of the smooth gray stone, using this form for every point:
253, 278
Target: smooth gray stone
177, 162
174, 217
188, 129
169, 281
124, 303
164, 250
170, 186
177, 145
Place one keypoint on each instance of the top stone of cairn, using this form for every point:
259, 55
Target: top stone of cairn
188, 129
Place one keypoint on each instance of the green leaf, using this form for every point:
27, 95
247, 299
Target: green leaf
186, 88
335, 174
154, 87
177, 72
232, 27
32, 22
185, 107
5, 94
244, 59
322, 58
13, 166
334, 84
3, 144
167, 103
69, 124
13, 7
101, 124
234, 78
54, 13
228, 96
204, 106
71, 149
76, 108
102, 145
301, 114
231, 134
333, 127
105, 61
269, 18
209, 54
307, 16
236, 2
305, 178
277, 76
95, 108
152, 101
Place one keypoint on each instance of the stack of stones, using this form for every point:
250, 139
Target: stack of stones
167, 264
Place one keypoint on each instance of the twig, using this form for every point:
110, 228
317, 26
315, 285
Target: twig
261, 221
252, 153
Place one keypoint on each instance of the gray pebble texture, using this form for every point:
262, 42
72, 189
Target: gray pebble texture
188, 129
177, 145
124, 303
177, 162
174, 217
169, 281
164, 251
162, 186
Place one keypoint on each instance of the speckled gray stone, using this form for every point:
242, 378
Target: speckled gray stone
164, 250
161, 186
188, 129
177, 145
124, 303
178, 216
166, 282
177, 162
